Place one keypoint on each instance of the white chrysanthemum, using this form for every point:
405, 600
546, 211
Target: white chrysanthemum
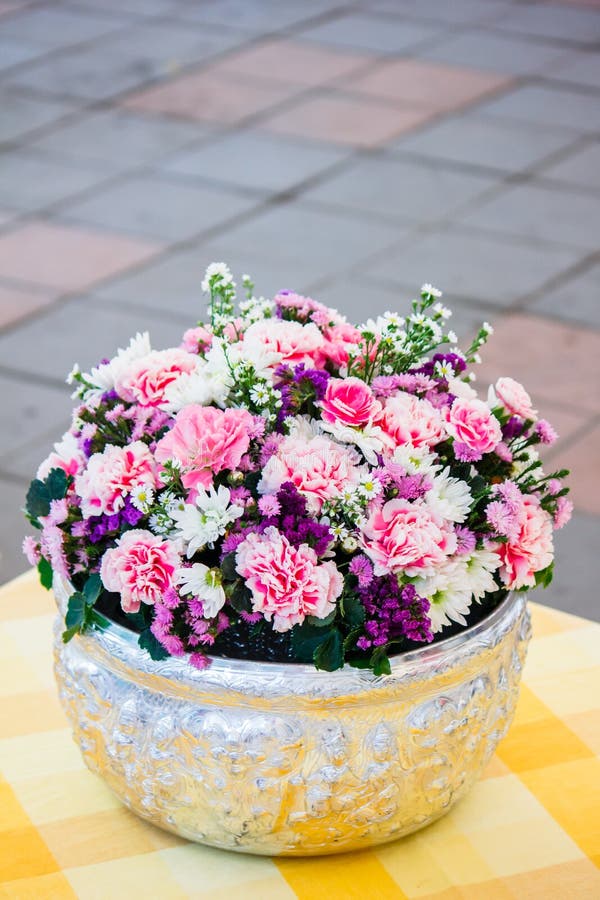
449, 497
142, 496
369, 440
105, 376
204, 521
449, 596
200, 581
416, 460
370, 487
190, 387
461, 389
478, 572
431, 290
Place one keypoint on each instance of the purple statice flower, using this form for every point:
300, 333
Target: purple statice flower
546, 432
362, 567
453, 359
393, 612
130, 514
465, 540
513, 428
111, 395
294, 385
295, 523
464, 453
86, 446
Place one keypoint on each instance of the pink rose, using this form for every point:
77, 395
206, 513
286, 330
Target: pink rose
293, 342
529, 549
140, 568
515, 398
196, 340
66, 455
406, 537
287, 582
112, 475
206, 441
409, 420
349, 401
470, 422
146, 380
319, 468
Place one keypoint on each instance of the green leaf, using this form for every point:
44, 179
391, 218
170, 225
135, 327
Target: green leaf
329, 655
228, 567
57, 483
92, 589
78, 616
380, 662
38, 499
45, 571
322, 623
545, 576
148, 642
305, 640
354, 611
241, 598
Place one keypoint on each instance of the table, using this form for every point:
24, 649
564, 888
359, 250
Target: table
530, 829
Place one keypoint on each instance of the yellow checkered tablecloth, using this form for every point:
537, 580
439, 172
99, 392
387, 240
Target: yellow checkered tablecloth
530, 829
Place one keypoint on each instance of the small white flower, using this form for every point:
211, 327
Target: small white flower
216, 269
73, 373
487, 328
477, 357
442, 310
260, 395
370, 487
452, 337
204, 583
431, 290
350, 544
204, 521
444, 369
142, 496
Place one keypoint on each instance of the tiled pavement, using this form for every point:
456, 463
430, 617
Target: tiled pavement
352, 149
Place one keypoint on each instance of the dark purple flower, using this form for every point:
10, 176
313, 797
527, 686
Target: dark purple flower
393, 612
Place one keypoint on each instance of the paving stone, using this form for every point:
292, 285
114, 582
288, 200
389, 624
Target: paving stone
561, 23
542, 213
433, 85
541, 105
479, 141
450, 11
207, 96
254, 160
30, 410
575, 584
581, 168
55, 27
120, 63
13, 528
579, 68
585, 489
255, 15
158, 207
31, 181
132, 8
394, 187
21, 114
170, 285
78, 331
119, 139
346, 120
381, 35
302, 245
14, 51
65, 258
16, 303
294, 62
577, 300
556, 362
474, 266
498, 52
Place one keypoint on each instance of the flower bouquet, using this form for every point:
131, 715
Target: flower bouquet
287, 488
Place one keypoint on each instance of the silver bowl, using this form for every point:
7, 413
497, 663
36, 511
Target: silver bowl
281, 759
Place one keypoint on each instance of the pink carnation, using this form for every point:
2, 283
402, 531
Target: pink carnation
515, 398
338, 341
349, 401
206, 440
319, 468
112, 475
146, 380
140, 568
407, 537
293, 342
66, 455
287, 582
529, 548
196, 339
563, 513
470, 422
409, 420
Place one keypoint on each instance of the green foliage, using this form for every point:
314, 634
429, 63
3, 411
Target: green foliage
45, 572
80, 615
380, 662
41, 493
545, 576
329, 654
148, 642
353, 610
